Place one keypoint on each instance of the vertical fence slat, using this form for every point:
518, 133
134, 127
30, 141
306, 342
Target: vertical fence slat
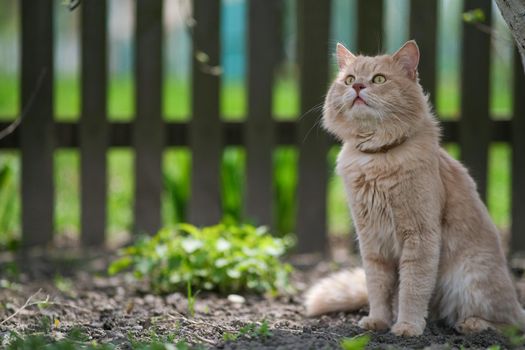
37, 134
264, 17
370, 26
205, 130
314, 25
94, 130
423, 28
474, 125
148, 127
518, 158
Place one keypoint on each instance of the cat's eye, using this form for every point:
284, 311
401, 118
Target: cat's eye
379, 79
349, 80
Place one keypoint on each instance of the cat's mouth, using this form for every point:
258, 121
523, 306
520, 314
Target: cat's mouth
358, 101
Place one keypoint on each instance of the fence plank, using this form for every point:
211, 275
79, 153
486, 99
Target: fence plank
205, 132
518, 160
37, 140
148, 126
475, 121
264, 18
370, 26
423, 28
314, 24
93, 130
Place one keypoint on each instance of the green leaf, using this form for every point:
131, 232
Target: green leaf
190, 245
119, 265
223, 245
474, 16
355, 343
192, 230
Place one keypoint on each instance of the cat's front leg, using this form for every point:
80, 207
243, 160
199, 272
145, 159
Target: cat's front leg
381, 279
418, 269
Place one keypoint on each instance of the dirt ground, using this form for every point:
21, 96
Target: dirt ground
118, 310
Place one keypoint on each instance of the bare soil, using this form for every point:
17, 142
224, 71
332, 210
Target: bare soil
117, 310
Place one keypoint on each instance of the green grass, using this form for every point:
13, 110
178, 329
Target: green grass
499, 188
448, 100
9, 91
177, 161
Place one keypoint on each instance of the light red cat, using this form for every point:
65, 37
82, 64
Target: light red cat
428, 245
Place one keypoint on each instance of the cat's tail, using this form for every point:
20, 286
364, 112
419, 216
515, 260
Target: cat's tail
342, 291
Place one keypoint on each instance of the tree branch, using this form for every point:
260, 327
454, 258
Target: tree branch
513, 11
12, 127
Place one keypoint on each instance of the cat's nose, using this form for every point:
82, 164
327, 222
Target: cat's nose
358, 87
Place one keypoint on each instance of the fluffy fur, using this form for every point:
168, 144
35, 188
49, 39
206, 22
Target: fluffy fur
428, 245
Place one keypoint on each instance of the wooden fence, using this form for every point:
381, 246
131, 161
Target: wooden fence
206, 134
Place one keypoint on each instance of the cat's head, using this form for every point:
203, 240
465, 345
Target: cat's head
375, 95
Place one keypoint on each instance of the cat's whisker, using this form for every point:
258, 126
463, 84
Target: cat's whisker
316, 124
318, 106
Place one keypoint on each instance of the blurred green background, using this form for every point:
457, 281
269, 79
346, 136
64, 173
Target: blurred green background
177, 97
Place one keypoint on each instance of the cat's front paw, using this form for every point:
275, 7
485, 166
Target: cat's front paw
373, 324
405, 329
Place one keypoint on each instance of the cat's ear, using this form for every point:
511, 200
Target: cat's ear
408, 57
344, 56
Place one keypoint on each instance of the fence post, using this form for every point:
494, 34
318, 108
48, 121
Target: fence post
370, 26
94, 131
264, 17
37, 133
474, 125
205, 129
148, 128
423, 28
314, 28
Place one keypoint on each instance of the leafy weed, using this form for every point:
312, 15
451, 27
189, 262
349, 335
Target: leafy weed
227, 258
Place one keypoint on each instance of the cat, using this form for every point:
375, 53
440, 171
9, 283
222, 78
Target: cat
428, 245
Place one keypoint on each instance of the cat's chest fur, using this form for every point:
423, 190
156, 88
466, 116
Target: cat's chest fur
372, 183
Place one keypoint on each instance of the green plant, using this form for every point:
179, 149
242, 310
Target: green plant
251, 330
356, 343
232, 183
73, 341
159, 343
474, 16
227, 336
78, 341
285, 183
177, 184
515, 336
494, 347
63, 284
227, 258
191, 299
8, 193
